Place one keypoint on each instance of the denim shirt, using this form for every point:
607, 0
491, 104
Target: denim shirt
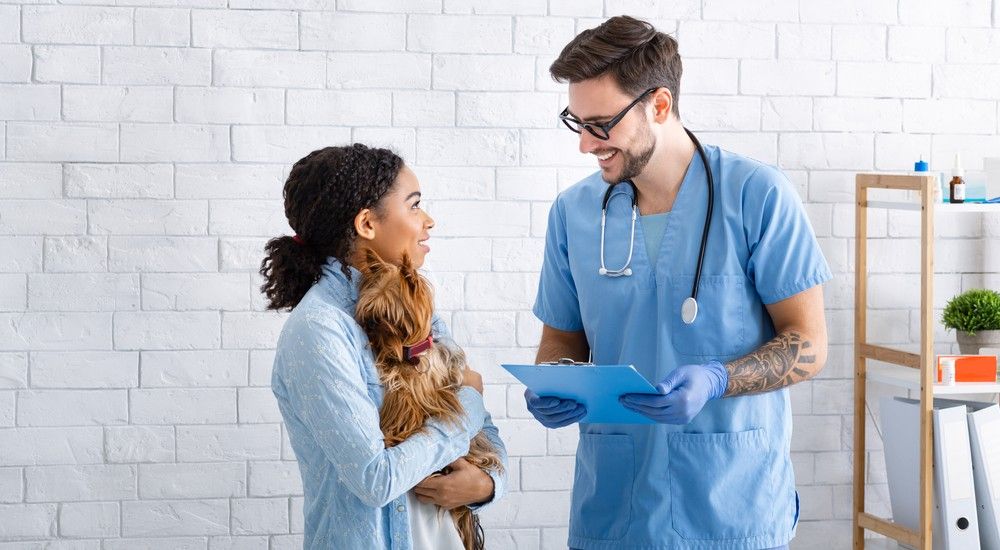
329, 395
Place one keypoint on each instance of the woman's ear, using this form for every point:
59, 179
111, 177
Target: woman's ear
364, 224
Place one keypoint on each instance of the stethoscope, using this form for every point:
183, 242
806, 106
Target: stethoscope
689, 309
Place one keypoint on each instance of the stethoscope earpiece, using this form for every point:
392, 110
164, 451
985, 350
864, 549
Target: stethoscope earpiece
689, 309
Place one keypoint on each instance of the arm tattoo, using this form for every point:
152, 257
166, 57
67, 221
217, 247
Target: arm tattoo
785, 360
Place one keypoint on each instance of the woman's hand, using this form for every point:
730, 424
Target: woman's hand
472, 379
463, 485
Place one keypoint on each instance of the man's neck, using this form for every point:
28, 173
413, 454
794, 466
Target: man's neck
660, 181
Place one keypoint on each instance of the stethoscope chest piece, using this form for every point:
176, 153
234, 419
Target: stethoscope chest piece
689, 310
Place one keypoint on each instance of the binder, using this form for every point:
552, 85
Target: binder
900, 423
953, 482
955, 522
984, 439
984, 433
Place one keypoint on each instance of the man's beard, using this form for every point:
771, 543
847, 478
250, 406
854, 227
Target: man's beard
633, 164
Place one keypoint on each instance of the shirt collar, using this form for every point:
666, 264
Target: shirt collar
344, 291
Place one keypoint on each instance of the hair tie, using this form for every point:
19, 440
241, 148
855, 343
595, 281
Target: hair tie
298, 240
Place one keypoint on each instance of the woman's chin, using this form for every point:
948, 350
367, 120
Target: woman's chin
419, 254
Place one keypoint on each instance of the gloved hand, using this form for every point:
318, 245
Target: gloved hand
682, 395
554, 412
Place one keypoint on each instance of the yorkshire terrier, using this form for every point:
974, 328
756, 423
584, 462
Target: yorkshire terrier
421, 377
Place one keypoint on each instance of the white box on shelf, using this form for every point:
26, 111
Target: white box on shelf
992, 167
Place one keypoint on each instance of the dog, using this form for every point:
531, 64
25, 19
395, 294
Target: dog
420, 377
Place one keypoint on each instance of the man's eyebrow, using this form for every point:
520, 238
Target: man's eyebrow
590, 119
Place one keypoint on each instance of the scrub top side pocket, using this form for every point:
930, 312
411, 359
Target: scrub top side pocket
719, 330
721, 485
602, 487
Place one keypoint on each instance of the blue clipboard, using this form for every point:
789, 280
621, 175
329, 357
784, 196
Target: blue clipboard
598, 387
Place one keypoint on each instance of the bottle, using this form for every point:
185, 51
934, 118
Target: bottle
921, 168
957, 184
947, 371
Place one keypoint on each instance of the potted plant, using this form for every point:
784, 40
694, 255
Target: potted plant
975, 314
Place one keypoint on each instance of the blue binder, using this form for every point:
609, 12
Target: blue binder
598, 387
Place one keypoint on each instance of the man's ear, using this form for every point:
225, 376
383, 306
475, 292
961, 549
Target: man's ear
364, 224
663, 104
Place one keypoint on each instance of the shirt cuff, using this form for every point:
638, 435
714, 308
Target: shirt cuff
499, 486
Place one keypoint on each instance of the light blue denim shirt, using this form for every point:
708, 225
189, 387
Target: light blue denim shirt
329, 394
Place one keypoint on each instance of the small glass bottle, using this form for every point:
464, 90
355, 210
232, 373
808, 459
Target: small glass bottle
947, 371
956, 187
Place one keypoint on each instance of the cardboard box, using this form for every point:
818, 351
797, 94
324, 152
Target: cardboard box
972, 368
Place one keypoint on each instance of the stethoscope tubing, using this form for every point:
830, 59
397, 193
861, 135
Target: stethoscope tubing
625, 270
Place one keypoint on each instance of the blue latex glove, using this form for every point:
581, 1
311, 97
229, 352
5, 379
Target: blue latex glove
554, 412
683, 393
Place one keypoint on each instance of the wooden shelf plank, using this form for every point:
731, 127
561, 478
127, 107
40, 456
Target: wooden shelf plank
885, 527
890, 355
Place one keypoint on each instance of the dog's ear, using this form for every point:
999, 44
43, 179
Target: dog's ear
406, 264
409, 272
372, 264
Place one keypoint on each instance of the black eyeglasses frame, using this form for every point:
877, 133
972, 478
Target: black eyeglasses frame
601, 131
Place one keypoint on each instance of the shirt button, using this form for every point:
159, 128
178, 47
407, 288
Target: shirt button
400, 508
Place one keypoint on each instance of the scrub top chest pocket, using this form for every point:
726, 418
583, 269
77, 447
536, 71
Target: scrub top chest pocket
720, 328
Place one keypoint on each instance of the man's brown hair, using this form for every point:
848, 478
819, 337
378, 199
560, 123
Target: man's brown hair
637, 55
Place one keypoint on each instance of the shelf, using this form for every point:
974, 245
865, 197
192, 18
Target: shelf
905, 377
938, 207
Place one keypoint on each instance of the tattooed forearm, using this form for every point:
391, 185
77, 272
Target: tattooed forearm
787, 359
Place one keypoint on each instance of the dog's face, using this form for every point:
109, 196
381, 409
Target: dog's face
395, 305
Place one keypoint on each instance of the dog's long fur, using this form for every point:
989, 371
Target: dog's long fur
395, 305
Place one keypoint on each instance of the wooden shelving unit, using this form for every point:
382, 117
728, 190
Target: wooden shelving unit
907, 370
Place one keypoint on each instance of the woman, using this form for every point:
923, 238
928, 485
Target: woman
342, 201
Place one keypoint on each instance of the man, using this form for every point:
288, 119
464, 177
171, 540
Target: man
713, 470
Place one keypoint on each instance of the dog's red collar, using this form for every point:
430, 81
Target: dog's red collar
413, 352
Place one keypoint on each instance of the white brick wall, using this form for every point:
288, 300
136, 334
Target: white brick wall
143, 146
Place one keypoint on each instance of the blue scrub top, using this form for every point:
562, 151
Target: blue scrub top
725, 480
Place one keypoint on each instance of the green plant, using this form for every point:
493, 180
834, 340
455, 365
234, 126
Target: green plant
973, 310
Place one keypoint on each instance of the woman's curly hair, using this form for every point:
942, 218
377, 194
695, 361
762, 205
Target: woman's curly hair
323, 194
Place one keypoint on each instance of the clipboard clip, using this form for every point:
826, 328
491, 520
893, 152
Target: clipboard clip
566, 361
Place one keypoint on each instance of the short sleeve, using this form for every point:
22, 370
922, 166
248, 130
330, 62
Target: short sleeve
785, 258
556, 304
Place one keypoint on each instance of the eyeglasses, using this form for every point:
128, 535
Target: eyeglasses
599, 130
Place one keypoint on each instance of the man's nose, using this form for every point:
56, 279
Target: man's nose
589, 143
